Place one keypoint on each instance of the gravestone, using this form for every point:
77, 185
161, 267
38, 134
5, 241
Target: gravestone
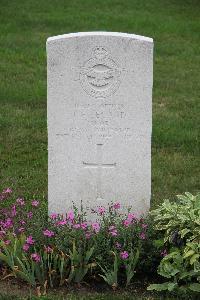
99, 120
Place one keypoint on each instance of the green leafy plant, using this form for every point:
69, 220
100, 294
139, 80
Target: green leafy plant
80, 263
180, 222
179, 219
11, 253
26, 270
192, 253
130, 265
174, 267
53, 268
111, 275
51, 251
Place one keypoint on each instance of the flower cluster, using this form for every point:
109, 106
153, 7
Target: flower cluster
109, 231
5, 194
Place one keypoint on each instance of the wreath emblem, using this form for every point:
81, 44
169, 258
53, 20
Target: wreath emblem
100, 75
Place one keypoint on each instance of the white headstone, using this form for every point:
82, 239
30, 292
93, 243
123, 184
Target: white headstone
99, 120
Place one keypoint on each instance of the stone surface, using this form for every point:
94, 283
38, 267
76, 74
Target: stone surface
99, 120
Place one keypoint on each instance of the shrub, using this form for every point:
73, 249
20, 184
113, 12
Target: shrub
180, 223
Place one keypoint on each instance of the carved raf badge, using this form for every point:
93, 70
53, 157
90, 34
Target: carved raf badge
100, 75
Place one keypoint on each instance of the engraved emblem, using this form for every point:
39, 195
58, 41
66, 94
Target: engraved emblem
100, 75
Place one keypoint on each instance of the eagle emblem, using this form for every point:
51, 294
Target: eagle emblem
100, 75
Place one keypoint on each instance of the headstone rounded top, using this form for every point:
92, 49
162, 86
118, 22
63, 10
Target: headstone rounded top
100, 33
99, 120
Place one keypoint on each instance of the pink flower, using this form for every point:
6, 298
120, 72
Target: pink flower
35, 257
26, 247
124, 255
61, 223
101, 210
118, 245
7, 191
144, 226
116, 205
126, 222
48, 249
88, 235
70, 215
112, 227
131, 217
22, 222
113, 230
53, 216
13, 212
35, 203
20, 201
7, 242
142, 236
84, 226
5, 194
29, 214
76, 226
8, 223
30, 240
21, 229
96, 227
48, 233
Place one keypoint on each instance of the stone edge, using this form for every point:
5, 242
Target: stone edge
99, 33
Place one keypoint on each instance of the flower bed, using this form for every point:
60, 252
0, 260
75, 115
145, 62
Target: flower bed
115, 248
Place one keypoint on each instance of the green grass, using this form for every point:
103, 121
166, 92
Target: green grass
174, 26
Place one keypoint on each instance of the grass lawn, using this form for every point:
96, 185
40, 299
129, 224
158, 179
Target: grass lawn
173, 24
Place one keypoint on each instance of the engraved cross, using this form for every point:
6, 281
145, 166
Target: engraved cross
99, 165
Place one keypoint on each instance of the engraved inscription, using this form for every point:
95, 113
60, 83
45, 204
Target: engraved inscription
100, 75
99, 121
99, 165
